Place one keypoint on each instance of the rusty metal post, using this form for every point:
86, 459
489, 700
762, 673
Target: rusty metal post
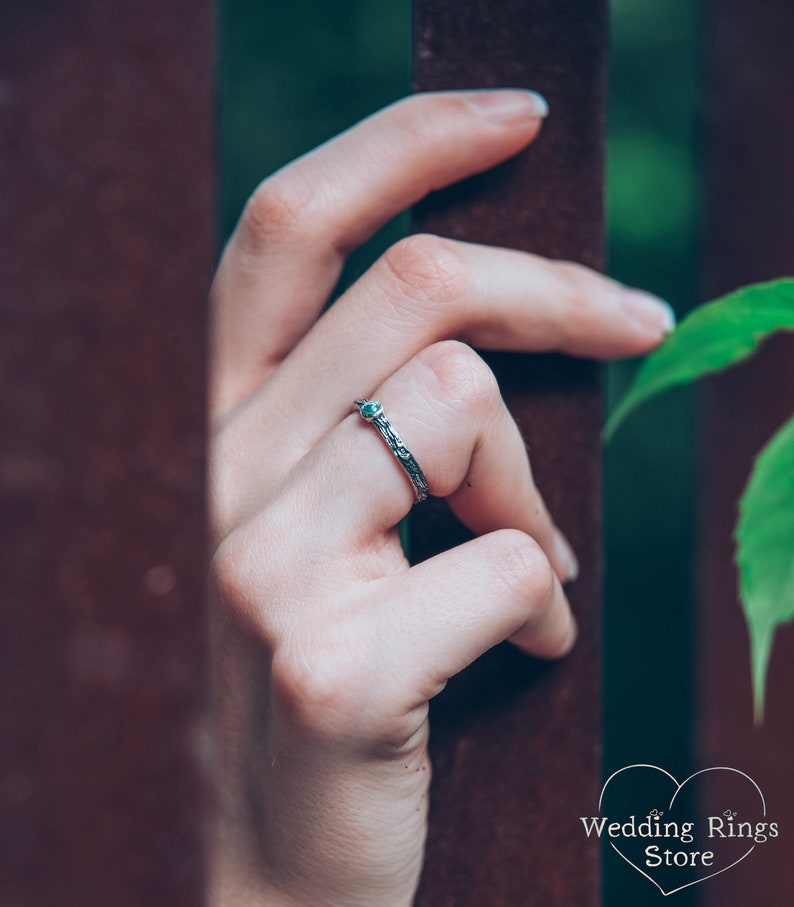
106, 121
516, 744
749, 236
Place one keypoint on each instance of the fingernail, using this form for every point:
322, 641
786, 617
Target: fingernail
508, 106
649, 310
564, 556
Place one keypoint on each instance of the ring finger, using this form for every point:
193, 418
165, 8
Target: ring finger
446, 405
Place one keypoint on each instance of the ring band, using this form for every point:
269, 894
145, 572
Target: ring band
372, 411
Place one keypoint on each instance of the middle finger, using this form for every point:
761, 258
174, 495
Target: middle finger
426, 289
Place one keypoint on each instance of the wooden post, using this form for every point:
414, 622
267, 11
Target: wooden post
749, 236
107, 244
516, 743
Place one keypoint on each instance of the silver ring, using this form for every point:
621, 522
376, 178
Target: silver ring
372, 411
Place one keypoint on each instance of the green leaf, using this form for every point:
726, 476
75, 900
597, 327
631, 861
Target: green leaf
765, 551
712, 337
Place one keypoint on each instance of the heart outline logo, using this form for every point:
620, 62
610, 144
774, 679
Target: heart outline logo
718, 768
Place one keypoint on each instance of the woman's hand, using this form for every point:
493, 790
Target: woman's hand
327, 644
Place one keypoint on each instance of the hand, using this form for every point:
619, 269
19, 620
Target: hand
327, 644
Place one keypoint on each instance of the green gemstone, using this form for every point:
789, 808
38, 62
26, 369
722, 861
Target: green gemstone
370, 410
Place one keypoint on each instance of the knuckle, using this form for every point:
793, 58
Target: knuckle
575, 273
228, 571
425, 115
520, 564
579, 283
277, 209
248, 587
320, 685
462, 379
410, 116
329, 684
578, 287
423, 268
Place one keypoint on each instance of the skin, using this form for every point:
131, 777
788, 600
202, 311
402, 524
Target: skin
327, 644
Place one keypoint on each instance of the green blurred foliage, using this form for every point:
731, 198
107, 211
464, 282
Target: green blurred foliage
652, 216
652, 205
293, 75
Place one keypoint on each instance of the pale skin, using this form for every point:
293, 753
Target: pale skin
327, 644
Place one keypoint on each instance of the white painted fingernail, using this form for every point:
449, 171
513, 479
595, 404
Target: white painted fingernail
563, 555
509, 106
649, 310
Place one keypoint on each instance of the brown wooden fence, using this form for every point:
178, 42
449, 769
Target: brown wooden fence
516, 747
106, 141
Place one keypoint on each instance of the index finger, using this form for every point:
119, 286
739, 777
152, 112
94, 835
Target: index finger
287, 251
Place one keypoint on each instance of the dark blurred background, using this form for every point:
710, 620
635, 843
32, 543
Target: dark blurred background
293, 75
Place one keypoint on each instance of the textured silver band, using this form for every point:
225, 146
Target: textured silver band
372, 411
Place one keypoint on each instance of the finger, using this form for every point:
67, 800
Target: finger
440, 615
287, 251
426, 288
446, 406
